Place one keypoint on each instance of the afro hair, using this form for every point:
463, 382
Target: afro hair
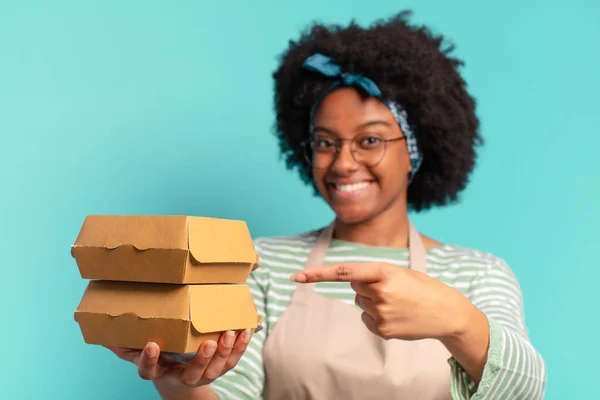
411, 66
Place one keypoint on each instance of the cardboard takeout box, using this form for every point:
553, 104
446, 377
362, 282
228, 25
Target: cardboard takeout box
179, 318
164, 249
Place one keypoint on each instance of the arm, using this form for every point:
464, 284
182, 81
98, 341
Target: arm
510, 368
494, 359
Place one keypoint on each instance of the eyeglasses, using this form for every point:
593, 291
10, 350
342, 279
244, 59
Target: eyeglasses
367, 149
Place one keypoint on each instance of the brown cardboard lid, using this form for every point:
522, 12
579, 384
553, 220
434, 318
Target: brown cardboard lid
210, 308
141, 232
144, 300
209, 240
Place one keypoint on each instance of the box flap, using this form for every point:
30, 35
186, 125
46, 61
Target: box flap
141, 232
214, 240
257, 263
215, 308
145, 300
259, 324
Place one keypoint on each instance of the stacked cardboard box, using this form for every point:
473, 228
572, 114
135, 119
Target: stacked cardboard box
174, 280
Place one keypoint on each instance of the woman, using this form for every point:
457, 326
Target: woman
379, 122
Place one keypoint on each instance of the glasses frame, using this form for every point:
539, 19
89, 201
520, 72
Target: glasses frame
338, 143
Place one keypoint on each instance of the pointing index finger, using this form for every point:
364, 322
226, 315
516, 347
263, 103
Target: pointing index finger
366, 273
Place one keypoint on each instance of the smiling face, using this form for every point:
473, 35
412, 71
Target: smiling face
355, 191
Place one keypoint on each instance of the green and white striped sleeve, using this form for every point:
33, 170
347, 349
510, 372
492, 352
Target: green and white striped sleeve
246, 380
514, 369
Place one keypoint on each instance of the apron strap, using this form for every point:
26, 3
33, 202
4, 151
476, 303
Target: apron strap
416, 250
317, 254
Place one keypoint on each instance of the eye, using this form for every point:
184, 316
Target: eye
369, 142
323, 144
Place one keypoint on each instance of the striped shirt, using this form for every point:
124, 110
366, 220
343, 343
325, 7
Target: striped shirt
514, 369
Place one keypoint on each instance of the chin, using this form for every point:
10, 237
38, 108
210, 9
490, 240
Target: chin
351, 216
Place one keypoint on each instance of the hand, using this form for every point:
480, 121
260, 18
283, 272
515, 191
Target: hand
210, 362
399, 303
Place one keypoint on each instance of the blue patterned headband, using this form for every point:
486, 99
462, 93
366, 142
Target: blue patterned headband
328, 67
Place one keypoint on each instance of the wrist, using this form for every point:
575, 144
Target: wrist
469, 339
464, 320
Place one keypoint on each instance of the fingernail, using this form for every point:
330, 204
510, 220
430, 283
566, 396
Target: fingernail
229, 338
209, 348
151, 351
246, 335
301, 278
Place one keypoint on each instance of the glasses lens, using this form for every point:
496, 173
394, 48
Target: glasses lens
368, 149
320, 151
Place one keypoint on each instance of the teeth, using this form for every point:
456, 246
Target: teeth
352, 187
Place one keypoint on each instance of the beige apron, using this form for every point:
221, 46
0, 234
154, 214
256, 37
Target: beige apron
320, 349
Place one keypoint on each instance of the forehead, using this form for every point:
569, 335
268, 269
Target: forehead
345, 109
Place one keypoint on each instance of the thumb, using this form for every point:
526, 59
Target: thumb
148, 362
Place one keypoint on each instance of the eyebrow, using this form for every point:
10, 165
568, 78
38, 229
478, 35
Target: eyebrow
375, 122
365, 125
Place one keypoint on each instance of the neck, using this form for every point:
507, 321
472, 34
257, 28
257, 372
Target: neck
388, 229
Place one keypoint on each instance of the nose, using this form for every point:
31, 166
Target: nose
344, 161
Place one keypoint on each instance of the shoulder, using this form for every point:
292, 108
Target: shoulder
481, 276
478, 261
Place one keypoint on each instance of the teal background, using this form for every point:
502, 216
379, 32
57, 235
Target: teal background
162, 107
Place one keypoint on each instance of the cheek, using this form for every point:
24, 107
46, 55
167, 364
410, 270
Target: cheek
392, 175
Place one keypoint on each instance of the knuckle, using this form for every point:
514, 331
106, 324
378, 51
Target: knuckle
211, 375
222, 352
241, 349
359, 302
190, 382
382, 331
228, 366
342, 272
386, 270
238, 350
145, 374
231, 363
385, 335
380, 310
384, 292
